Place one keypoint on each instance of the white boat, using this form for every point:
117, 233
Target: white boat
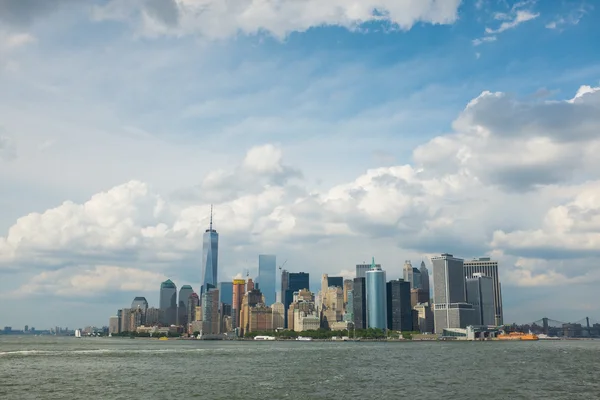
110, 335
77, 333
264, 338
304, 338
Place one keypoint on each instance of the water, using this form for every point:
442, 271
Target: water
115, 368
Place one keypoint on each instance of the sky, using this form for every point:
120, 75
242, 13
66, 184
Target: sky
326, 132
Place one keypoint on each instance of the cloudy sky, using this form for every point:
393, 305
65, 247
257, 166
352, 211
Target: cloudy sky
324, 131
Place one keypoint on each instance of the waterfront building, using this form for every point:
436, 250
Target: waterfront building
210, 257
193, 304
296, 282
239, 288
153, 316
305, 320
113, 325
361, 269
488, 267
360, 303
125, 320
425, 280
136, 319
349, 307
424, 318
261, 318
168, 302
285, 276
303, 300
253, 297
184, 298
449, 297
267, 276
278, 315
348, 285
210, 312
480, 293
376, 297
399, 308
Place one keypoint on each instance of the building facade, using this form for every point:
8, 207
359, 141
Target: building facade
376, 297
488, 267
210, 258
407, 273
261, 318
184, 299
480, 293
424, 318
399, 308
278, 315
359, 303
193, 304
267, 276
361, 269
296, 282
239, 288
113, 325
425, 280
168, 302
449, 295
210, 312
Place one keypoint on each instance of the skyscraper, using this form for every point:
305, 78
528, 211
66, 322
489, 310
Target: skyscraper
399, 308
267, 275
193, 303
337, 281
407, 273
416, 282
140, 302
184, 298
168, 302
210, 312
296, 282
449, 297
225, 293
480, 293
489, 268
359, 303
285, 276
361, 269
210, 255
376, 297
239, 288
425, 279
278, 318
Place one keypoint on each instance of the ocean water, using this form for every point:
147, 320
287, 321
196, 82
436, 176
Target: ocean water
116, 368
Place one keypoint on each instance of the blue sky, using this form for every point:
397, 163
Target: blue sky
321, 133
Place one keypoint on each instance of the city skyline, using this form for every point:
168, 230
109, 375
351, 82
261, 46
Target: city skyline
324, 136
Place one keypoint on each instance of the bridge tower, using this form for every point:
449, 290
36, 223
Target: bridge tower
545, 325
587, 323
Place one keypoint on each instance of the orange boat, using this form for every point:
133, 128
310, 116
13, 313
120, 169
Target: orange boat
517, 336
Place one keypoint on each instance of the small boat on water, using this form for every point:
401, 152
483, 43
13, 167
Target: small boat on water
304, 338
163, 338
264, 338
77, 333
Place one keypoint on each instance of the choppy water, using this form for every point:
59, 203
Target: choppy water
94, 368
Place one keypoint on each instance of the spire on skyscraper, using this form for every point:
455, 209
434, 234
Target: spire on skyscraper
211, 209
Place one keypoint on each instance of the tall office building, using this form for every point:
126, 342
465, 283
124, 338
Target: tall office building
125, 320
267, 276
407, 273
154, 316
140, 302
210, 257
285, 276
113, 325
193, 303
239, 288
210, 312
184, 298
416, 282
225, 293
449, 296
278, 317
252, 298
361, 269
488, 267
347, 287
359, 303
399, 308
480, 293
376, 297
168, 302
296, 282
337, 281
425, 280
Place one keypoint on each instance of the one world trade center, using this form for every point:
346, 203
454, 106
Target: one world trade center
210, 255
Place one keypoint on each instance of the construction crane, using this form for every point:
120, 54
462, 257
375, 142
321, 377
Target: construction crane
282, 265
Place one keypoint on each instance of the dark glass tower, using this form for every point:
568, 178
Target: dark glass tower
336, 281
210, 256
267, 275
399, 309
168, 302
184, 298
359, 303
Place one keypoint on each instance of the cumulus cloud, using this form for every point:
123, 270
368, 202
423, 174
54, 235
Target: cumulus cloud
23, 12
221, 19
483, 188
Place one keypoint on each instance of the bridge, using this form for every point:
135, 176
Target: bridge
585, 327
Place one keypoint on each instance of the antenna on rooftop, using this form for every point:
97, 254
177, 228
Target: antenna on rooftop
211, 211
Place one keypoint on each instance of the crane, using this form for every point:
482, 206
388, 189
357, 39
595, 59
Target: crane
282, 265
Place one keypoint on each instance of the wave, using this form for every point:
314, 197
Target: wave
94, 352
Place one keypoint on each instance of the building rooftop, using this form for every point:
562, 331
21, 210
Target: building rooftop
167, 284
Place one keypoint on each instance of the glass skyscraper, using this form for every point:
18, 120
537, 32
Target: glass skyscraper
225, 293
267, 276
210, 255
168, 302
359, 303
376, 297
399, 308
184, 299
296, 282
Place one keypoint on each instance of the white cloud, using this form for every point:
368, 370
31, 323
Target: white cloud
485, 39
13, 41
221, 19
519, 17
